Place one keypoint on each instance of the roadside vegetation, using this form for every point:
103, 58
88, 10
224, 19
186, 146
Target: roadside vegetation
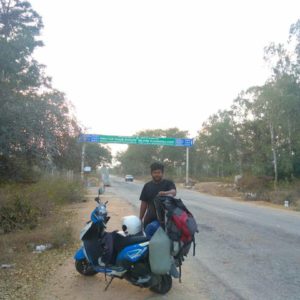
38, 129
39, 158
24, 205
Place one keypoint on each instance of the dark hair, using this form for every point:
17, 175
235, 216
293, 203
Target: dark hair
157, 166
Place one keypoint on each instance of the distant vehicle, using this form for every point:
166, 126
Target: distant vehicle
128, 178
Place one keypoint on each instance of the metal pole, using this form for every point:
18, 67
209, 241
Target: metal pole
82, 160
187, 167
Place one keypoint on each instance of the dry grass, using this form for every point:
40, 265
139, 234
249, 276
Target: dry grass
217, 189
31, 269
54, 229
34, 215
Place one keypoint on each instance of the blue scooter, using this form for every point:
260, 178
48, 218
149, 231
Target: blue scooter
117, 255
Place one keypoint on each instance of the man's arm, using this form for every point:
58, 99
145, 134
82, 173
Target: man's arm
171, 192
143, 209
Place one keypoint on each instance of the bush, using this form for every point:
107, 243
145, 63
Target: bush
254, 184
22, 205
57, 190
18, 214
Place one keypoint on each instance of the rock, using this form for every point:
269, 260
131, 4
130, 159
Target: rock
237, 178
250, 196
42, 248
7, 266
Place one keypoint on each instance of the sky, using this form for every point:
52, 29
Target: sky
131, 65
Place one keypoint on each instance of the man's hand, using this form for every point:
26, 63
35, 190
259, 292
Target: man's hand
171, 193
162, 193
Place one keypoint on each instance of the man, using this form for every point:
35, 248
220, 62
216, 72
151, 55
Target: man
158, 186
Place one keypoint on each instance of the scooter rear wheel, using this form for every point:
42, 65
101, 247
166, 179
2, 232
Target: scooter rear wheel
84, 267
164, 285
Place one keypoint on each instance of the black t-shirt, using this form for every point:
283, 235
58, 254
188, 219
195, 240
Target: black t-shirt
150, 191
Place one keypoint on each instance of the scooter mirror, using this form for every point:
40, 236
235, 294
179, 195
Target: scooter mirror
97, 199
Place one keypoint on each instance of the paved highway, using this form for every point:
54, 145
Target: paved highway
243, 251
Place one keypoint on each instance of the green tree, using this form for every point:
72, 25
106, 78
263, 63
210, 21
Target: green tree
217, 146
137, 158
95, 155
35, 119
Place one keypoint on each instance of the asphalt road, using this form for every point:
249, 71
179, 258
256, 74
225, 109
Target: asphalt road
243, 251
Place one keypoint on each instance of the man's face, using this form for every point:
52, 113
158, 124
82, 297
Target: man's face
157, 175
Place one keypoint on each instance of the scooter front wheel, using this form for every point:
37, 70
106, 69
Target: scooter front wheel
84, 267
163, 286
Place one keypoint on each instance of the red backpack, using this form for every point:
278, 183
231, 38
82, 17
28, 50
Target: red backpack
180, 224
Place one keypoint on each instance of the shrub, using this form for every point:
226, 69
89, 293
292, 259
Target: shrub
254, 184
21, 206
19, 213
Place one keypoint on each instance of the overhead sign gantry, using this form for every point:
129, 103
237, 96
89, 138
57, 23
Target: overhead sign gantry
138, 140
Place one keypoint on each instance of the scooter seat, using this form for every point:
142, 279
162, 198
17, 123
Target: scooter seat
120, 241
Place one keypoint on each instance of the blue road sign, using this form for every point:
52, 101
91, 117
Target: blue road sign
184, 142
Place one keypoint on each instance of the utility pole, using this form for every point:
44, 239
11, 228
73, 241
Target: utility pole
82, 160
187, 167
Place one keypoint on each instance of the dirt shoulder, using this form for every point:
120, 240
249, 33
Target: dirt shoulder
66, 283
218, 189
276, 198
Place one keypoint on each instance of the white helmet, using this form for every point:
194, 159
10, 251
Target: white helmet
131, 225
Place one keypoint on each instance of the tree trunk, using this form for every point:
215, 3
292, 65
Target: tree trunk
222, 168
274, 155
290, 145
289, 135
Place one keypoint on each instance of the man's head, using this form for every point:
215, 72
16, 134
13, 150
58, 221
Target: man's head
157, 171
